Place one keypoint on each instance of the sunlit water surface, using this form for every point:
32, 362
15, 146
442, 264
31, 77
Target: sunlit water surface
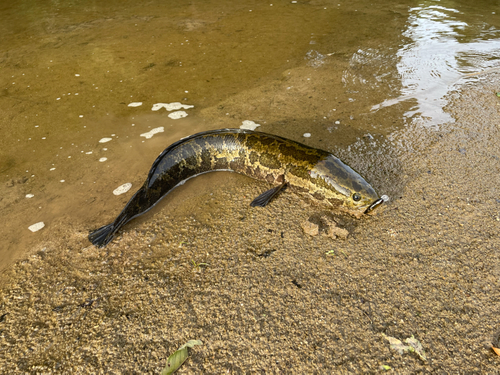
448, 46
352, 75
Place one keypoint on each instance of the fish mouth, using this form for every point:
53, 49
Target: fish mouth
377, 203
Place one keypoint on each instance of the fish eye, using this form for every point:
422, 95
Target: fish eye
356, 197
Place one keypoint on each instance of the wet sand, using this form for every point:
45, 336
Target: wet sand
262, 295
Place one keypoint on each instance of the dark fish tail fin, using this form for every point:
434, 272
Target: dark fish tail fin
136, 206
102, 236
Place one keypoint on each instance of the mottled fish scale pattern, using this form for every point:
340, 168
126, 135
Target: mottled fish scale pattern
262, 156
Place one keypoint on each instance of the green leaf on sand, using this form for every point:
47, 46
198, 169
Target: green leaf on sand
413, 345
498, 94
177, 359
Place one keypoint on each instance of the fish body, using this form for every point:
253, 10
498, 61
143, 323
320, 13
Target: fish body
258, 155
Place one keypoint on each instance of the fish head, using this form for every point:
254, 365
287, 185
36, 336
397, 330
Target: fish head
342, 184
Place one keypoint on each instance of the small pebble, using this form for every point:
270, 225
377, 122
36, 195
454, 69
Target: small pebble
122, 189
249, 125
307, 135
29, 195
310, 228
36, 227
103, 159
104, 140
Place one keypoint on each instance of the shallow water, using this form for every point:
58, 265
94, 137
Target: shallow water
353, 75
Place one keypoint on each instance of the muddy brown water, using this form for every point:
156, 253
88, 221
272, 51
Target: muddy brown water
403, 93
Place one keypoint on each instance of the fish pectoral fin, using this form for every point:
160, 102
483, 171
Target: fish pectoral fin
267, 196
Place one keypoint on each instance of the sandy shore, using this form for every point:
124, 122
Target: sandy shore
262, 295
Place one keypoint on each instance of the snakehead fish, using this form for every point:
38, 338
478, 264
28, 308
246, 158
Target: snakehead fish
258, 155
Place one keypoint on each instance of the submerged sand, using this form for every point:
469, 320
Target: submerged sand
262, 295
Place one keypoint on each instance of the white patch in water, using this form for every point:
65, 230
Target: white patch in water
249, 125
88, 153
177, 115
152, 132
52, 169
122, 189
104, 140
135, 104
36, 227
307, 135
29, 195
103, 159
171, 106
